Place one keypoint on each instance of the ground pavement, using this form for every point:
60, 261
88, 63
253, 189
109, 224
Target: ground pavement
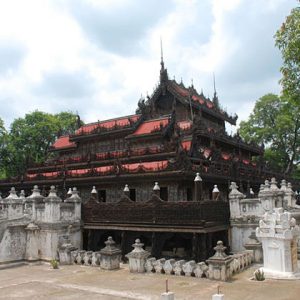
89, 283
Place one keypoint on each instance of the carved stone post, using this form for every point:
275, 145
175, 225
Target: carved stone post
15, 205
33, 200
137, 258
77, 203
219, 264
32, 252
52, 206
110, 256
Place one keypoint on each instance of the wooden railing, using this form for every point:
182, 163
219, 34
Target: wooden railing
156, 212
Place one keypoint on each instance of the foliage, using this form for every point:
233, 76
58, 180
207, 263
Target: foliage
287, 39
275, 122
29, 139
259, 275
54, 264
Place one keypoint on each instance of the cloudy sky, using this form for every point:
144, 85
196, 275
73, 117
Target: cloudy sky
98, 57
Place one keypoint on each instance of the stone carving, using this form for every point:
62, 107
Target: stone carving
169, 266
95, 262
110, 256
219, 264
158, 265
137, 257
87, 258
149, 264
201, 270
279, 235
188, 267
178, 267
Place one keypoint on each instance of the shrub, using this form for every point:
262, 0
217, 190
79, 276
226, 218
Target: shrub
259, 275
54, 263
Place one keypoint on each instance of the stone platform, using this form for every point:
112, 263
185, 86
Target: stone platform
82, 282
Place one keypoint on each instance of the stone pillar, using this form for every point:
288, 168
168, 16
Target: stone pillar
77, 203
32, 242
254, 245
235, 196
219, 264
15, 205
198, 195
110, 256
34, 199
266, 196
137, 258
279, 235
52, 206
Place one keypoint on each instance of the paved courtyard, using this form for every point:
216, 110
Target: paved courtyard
80, 282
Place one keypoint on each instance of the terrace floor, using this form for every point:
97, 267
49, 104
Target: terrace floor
82, 282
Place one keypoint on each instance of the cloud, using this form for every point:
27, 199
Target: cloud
12, 54
121, 27
62, 84
98, 57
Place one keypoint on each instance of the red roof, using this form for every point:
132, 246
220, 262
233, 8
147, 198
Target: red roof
186, 145
198, 99
63, 142
122, 122
152, 126
182, 91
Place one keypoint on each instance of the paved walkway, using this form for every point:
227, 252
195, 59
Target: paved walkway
80, 282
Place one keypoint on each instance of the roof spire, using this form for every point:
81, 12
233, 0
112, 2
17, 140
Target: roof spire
215, 97
161, 55
214, 84
163, 71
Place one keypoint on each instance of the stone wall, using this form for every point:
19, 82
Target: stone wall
246, 213
30, 228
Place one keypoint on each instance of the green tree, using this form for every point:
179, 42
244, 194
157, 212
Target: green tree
30, 137
287, 39
276, 123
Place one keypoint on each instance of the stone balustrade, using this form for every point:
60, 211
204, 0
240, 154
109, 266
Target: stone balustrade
86, 258
233, 264
179, 268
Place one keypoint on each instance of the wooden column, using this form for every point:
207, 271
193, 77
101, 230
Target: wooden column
123, 245
195, 246
203, 247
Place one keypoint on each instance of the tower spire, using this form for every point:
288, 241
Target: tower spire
215, 97
215, 92
161, 55
163, 71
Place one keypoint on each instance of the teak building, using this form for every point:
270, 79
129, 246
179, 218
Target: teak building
175, 133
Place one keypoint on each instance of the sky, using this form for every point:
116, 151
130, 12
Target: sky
96, 58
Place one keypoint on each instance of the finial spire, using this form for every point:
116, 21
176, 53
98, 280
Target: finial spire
161, 54
215, 92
